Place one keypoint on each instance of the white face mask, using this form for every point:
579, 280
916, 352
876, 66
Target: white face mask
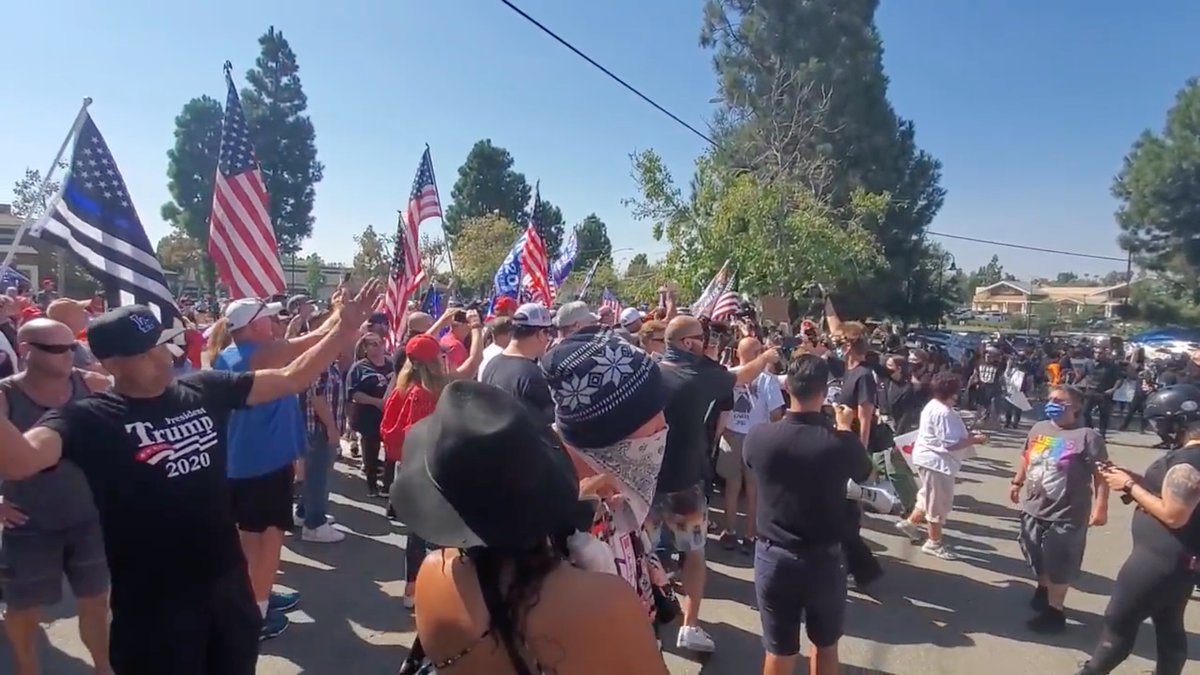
634, 462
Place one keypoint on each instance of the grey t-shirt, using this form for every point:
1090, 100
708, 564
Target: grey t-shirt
1058, 480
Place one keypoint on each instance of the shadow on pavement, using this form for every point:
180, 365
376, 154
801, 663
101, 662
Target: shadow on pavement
53, 661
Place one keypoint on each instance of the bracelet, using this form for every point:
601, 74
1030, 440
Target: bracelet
1127, 488
1019, 483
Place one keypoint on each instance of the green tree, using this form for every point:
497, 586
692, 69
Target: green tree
777, 235
803, 96
481, 245
1159, 192
373, 255
181, 254
314, 274
191, 167
592, 236
638, 266
1067, 279
487, 184
30, 200
283, 138
986, 275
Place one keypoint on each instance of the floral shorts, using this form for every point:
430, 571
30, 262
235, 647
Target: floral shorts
684, 515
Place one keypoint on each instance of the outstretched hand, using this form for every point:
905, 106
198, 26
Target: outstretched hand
353, 311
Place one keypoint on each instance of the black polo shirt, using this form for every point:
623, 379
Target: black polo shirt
801, 465
697, 389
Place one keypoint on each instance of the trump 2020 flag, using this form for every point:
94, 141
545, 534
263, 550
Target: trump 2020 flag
94, 217
561, 269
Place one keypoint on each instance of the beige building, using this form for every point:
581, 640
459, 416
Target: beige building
33, 258
1014, 297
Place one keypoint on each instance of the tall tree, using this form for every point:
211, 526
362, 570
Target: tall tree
314, 275
30, 200
592, 236
181, 254
487, 184
373, 257
283, 138
803, 96
1159, 193
481, 245
191, 166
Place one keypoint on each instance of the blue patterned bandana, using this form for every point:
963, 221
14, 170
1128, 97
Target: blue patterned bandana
603, 387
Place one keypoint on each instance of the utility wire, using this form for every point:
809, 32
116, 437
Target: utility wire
704, 136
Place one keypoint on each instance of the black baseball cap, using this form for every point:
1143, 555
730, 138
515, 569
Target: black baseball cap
131, 330
479, 471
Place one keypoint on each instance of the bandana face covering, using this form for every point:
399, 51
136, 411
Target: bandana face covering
634, 462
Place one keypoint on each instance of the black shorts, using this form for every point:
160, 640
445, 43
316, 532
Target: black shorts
263, 501
799, 588
214, 630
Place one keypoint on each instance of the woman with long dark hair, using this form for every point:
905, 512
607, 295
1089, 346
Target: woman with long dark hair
501, 597
366, 384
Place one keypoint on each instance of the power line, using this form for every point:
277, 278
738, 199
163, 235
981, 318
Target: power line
704, 136
1025, 247
607, 72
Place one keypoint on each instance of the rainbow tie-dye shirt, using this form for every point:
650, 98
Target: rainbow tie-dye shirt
1058, 479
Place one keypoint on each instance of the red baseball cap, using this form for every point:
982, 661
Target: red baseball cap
505, 305
424, 348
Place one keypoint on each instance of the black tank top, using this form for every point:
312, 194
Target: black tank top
1150, 532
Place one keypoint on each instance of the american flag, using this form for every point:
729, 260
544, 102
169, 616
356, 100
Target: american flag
533, 258
727, 303
407, 270
708, 297
423, 203
94, 217
609, 299
241, 239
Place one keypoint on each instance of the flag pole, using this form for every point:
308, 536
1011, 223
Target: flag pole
24, 226
445, 239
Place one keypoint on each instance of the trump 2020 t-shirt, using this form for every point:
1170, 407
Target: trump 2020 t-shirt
156, 467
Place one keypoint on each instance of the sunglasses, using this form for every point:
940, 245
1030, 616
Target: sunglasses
52, 349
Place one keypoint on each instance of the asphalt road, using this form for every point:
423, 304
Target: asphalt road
927, 616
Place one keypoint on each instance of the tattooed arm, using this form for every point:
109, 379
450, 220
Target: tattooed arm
1180, 494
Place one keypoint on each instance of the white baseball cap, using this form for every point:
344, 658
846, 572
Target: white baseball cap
630, 315
240, 313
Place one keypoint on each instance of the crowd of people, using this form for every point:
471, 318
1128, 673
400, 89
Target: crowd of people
542, 460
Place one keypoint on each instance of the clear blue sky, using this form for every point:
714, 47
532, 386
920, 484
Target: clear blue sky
1030, 105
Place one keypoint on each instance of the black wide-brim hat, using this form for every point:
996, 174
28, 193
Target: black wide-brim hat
480, 472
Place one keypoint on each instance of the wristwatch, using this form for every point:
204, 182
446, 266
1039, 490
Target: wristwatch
1128, 486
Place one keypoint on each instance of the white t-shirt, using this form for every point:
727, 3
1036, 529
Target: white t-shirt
940, 428
753, 403
489, 353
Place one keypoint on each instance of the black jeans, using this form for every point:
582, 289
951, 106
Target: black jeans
860, 561
1149, 586
1099, 404
372, 456
415, 550
1136, 407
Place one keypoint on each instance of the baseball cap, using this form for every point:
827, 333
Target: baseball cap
575, 312
505, 305
532, 314
629, 315
127, 331
240, 313
294, 302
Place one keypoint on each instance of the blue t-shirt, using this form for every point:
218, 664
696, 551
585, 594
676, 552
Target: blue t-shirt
265, 437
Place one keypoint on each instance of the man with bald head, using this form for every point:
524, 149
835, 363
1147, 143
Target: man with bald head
73, 314
698, 388
50, 522
758, 402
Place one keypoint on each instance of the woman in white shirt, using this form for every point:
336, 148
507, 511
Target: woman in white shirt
942, 444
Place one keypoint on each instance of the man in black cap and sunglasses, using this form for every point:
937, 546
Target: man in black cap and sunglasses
153, 453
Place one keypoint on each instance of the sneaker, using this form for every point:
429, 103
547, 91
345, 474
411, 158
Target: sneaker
372, 493
728, 541
939, 550
747, 546
693, 638
274, 623
1049, 622
1040, 600
324, 534
909, 530
391, 513
282, 601
409, 602
299, 519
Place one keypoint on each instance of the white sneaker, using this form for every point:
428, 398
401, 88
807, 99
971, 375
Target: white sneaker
324, 534
938, 550
909, 530
693, 638
329, 520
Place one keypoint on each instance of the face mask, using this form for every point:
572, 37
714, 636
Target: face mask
634, 462
1055, 410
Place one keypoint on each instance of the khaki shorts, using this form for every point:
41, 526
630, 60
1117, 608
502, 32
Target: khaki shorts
936, 496
730, 464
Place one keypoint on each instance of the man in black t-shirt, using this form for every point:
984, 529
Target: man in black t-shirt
1098, 386
153, 452
516, 370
